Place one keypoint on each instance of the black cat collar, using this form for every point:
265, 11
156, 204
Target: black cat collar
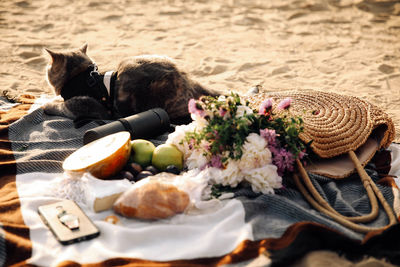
93, 84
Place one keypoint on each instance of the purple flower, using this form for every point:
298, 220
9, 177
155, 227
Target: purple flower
285, 103
284, 160
274, 149
216, 161
195, 108
269, 135
265, 105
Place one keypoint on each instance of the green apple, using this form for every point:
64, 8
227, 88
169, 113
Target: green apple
142, 152
165, 155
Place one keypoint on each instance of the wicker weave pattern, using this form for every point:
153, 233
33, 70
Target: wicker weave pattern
335, 123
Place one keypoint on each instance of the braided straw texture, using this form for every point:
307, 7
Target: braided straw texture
336, 124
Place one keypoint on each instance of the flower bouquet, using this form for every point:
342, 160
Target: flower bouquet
235, 144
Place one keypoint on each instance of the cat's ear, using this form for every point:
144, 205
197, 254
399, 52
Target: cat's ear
83, 48
54, 56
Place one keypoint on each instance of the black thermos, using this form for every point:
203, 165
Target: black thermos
146, 124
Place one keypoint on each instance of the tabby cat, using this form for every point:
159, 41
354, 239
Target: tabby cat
138, 84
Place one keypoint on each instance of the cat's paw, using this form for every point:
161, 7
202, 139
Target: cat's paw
57, 108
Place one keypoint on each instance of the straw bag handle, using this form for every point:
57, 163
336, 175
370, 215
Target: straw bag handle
322, 205
321, 201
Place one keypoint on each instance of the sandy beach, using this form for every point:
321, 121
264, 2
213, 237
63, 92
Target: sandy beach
345, 46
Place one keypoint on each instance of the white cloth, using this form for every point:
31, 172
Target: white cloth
218, 231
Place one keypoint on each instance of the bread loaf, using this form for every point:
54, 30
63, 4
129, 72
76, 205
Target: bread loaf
151, 199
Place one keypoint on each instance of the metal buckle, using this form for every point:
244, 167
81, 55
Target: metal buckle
91, 80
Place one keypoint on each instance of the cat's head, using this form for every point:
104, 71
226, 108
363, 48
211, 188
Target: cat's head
63, 66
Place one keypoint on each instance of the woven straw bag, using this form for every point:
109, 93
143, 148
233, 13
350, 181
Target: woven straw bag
345, 132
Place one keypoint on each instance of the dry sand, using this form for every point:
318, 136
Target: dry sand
345, 46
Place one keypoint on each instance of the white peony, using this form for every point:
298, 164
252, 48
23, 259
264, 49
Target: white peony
178, 136
196, 159
200, 121
229, 176
255, 153
264, 179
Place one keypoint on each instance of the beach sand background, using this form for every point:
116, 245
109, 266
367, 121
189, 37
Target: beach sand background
344, 46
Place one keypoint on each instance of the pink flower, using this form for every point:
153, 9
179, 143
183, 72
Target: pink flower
265, 105
195, 108
222, 111
302, 154
285, 103
206, 146
192, 106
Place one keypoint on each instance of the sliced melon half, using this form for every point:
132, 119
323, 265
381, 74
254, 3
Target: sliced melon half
103, 157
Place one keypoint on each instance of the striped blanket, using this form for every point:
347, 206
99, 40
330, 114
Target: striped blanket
248, 229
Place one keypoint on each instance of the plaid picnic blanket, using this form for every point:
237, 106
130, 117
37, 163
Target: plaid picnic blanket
279, 228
